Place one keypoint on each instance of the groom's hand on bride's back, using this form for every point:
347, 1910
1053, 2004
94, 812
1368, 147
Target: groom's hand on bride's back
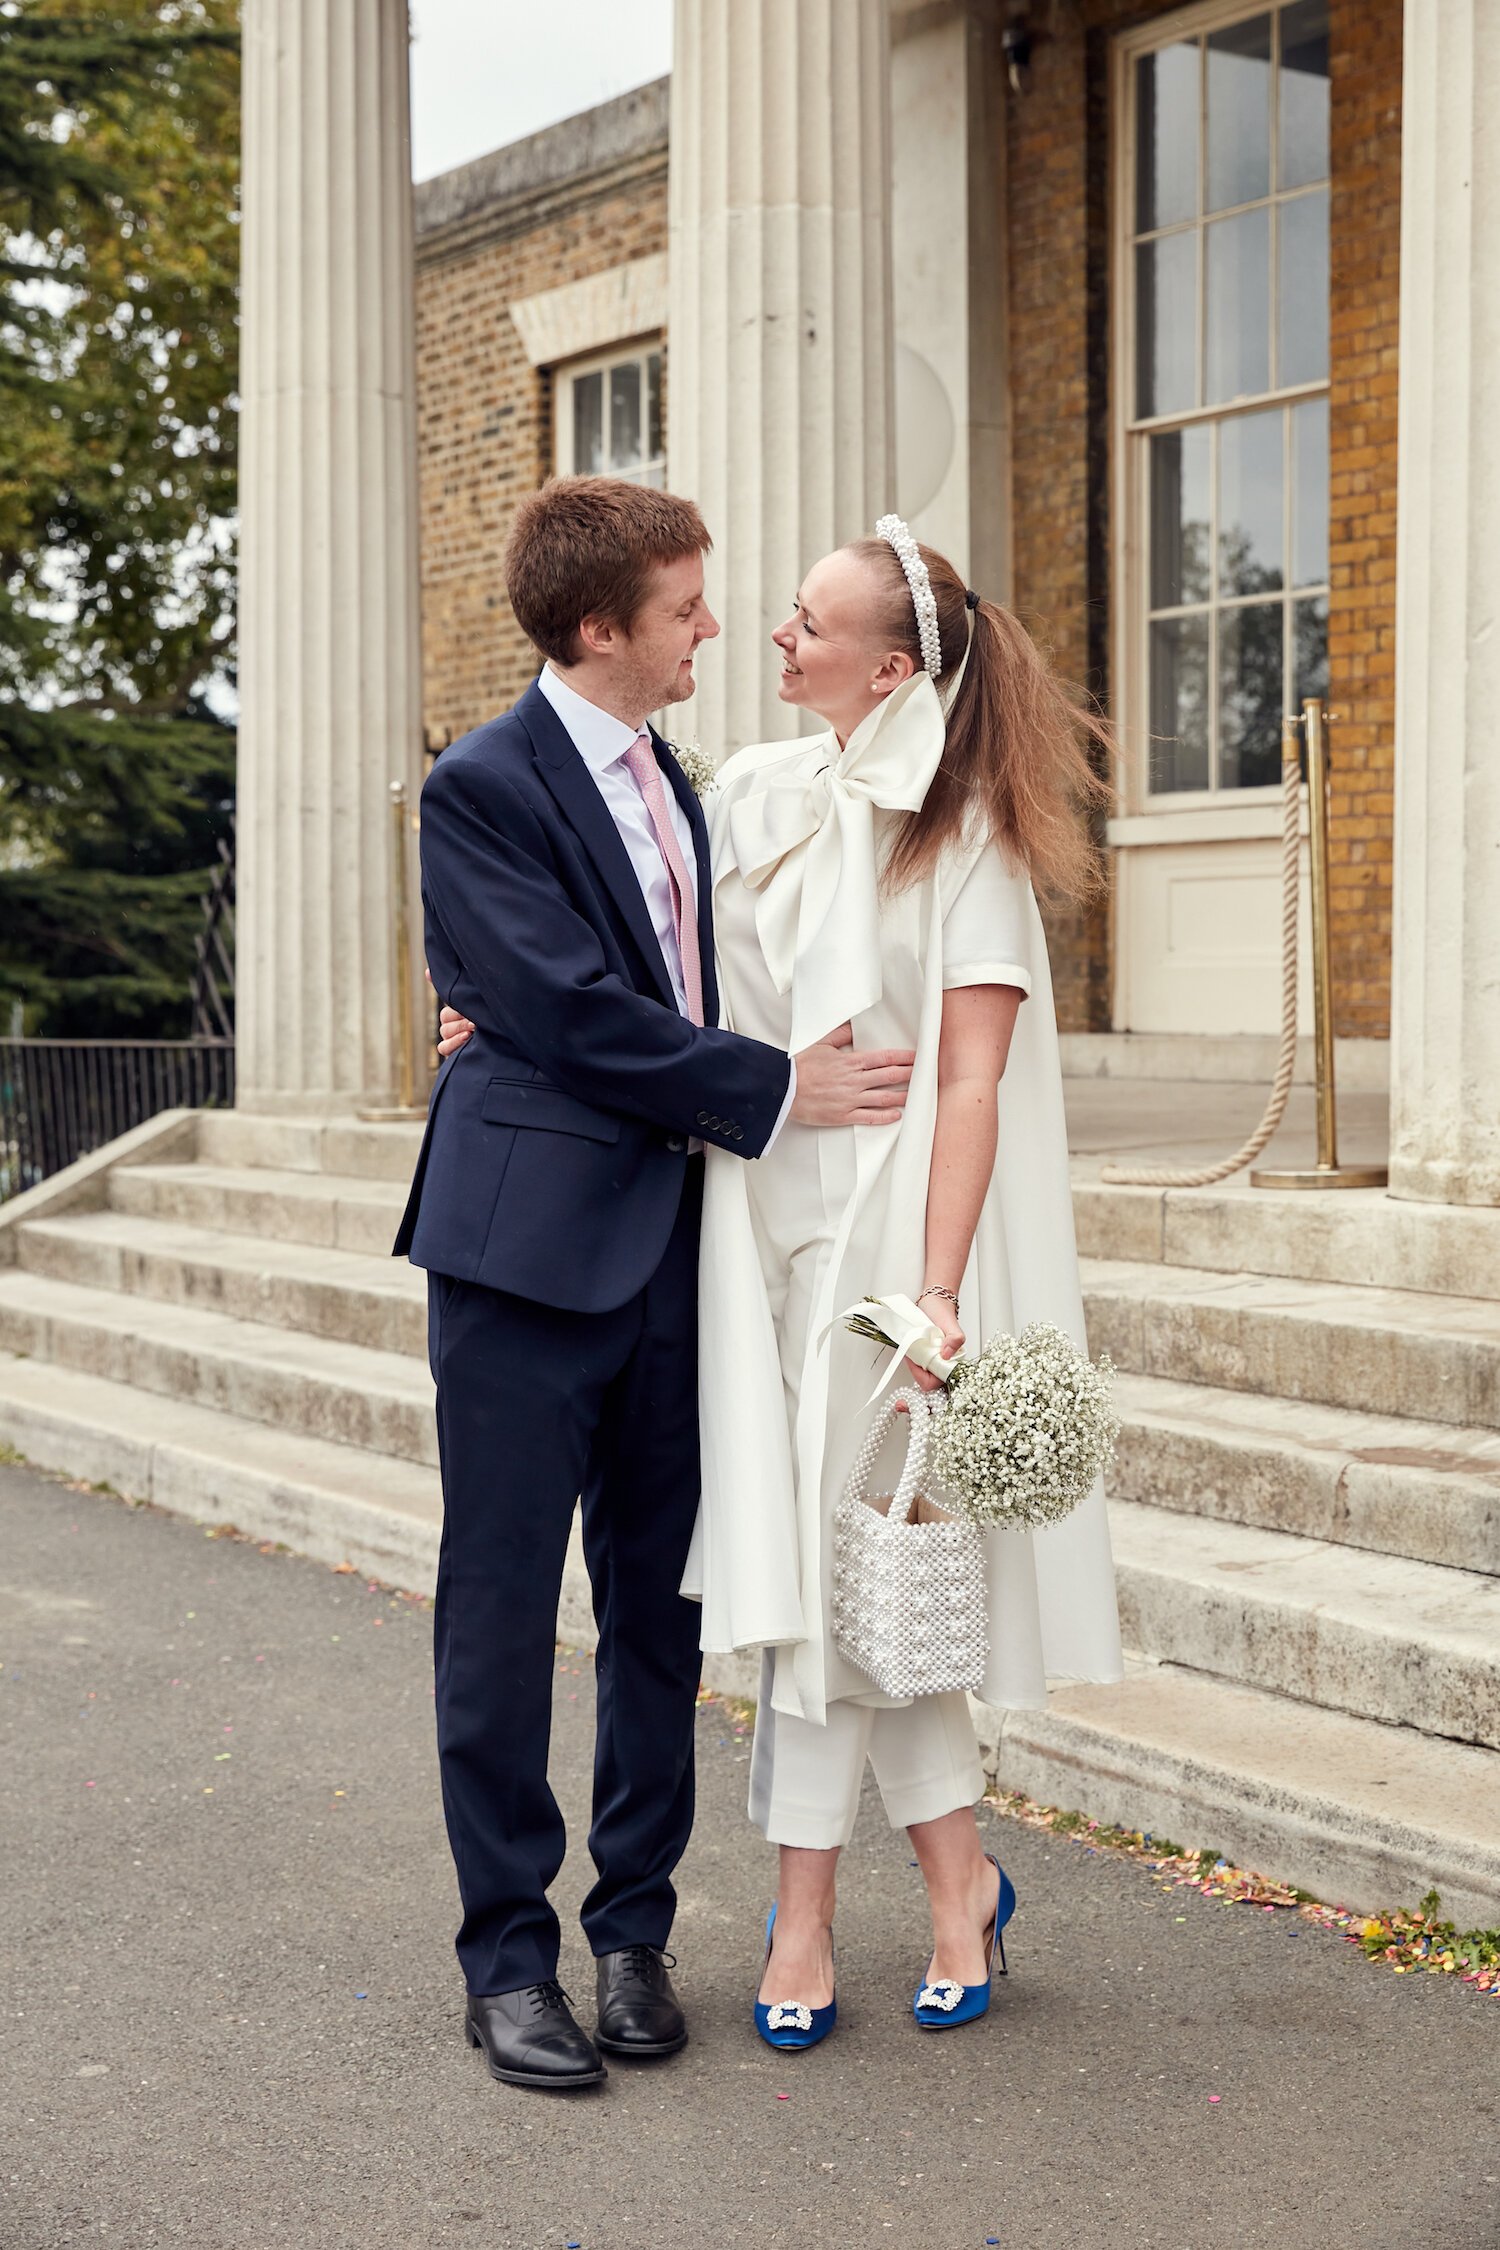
835, 1084
839, 1084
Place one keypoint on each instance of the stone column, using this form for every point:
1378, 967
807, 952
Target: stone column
1445, 1033
329, 655
779, 321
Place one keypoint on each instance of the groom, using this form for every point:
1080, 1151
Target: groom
556, 1208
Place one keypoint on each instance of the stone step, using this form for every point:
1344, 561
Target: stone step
1424, 1490
334, 1211
337, 1503
344, 1295
1429, 1358
1406, 1643
1362, 1236
1361, 1815
343, 1145
308, 1386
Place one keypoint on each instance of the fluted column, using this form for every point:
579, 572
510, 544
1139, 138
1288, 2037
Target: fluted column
329, 657
779, 321
1445, 1033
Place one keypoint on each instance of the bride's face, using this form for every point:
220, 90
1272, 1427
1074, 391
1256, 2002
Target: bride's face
832, 661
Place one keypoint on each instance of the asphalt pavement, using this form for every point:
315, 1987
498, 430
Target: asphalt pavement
232, 2012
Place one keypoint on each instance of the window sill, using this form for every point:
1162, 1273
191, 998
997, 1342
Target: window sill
1203, 824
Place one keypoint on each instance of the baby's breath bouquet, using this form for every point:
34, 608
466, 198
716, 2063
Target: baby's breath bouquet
1026, 1426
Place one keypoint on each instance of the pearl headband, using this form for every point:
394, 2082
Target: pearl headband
898, 538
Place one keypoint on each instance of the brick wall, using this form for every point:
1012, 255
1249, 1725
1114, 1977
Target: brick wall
1058, 250
1059, 263
1365, 253
485, 424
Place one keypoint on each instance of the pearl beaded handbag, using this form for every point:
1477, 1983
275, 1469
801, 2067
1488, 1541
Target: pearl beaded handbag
908, 1597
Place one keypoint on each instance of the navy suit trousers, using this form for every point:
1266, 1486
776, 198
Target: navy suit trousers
535, 1407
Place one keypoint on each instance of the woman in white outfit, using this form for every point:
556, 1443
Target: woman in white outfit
879, 875
875, 880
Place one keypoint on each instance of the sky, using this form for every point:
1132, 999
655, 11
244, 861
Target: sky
487, 72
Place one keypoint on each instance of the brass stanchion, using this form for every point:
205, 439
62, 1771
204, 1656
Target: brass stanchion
408, 1107
1328, 1172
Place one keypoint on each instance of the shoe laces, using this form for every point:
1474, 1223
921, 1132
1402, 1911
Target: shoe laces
642, 1960
546, 1996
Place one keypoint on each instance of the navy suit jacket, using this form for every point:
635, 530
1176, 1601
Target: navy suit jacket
556, 1144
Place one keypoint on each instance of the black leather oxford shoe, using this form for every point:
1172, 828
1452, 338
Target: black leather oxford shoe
639, 2012
529, 2038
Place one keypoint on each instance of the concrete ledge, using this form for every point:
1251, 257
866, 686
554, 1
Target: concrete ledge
1361, 1236
1302, 1795
82, 1186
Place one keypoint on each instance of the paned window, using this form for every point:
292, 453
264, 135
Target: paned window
608, 417
1226, 423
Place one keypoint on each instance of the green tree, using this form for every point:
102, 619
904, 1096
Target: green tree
119, 262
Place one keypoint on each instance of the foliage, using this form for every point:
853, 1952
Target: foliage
118, 279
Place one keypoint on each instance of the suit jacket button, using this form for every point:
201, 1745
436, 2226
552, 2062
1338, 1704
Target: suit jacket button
739, 1132
704, 1118
676, 1143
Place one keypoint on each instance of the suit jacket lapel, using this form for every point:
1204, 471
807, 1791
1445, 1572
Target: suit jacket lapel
683, 789
577, 793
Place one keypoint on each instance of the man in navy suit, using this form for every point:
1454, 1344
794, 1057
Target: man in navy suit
556, 1209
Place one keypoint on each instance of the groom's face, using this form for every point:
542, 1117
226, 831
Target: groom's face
664, 636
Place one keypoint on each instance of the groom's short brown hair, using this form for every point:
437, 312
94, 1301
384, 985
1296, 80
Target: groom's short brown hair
586, 547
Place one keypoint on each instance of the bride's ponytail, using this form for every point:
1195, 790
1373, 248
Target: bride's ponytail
1018, 749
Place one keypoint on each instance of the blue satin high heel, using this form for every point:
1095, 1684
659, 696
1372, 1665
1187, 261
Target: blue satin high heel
787, 2023
939, 2006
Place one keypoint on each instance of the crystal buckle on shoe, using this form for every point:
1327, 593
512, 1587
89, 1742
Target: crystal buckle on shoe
787, 2015
945, 1994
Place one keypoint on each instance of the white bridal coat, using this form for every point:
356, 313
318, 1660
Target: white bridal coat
807, 942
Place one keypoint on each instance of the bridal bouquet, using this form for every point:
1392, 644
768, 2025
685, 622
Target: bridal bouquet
1026, 1425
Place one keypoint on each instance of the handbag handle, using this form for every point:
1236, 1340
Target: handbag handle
920, 1407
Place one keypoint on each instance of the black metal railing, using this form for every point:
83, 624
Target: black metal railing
60, 1098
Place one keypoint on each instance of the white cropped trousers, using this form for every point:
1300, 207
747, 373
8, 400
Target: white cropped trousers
805, 1779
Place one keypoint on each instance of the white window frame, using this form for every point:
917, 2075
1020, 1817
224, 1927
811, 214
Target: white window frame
1214, 809
635, 352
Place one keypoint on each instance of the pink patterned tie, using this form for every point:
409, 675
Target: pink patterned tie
646, 773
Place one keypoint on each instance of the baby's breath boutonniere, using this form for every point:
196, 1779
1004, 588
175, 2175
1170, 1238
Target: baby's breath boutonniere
697, 765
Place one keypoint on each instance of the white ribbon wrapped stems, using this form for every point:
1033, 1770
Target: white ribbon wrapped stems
906, 1327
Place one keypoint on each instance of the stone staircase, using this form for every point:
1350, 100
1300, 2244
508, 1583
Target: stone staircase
206, 1315
1311, 1590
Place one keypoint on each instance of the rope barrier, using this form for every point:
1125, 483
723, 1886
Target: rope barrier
1122, 1175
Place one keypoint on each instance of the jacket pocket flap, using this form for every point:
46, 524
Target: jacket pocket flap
510, 1102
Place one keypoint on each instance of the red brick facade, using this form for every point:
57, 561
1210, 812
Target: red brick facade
1365, 248
485, 421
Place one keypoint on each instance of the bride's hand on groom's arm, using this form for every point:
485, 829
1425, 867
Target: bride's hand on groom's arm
838, 1084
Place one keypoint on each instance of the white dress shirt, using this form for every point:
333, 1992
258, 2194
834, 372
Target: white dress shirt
601, 741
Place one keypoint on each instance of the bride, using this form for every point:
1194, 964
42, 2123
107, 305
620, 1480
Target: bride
880, 874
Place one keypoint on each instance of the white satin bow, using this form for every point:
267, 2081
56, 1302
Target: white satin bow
805, 844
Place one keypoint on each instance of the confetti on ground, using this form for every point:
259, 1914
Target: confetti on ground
1216, 2097
783, 2097
1416, 1940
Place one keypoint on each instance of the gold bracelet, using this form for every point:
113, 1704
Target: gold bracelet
932, 1290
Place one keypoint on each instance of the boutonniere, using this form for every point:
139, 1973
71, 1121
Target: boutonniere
697, 765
